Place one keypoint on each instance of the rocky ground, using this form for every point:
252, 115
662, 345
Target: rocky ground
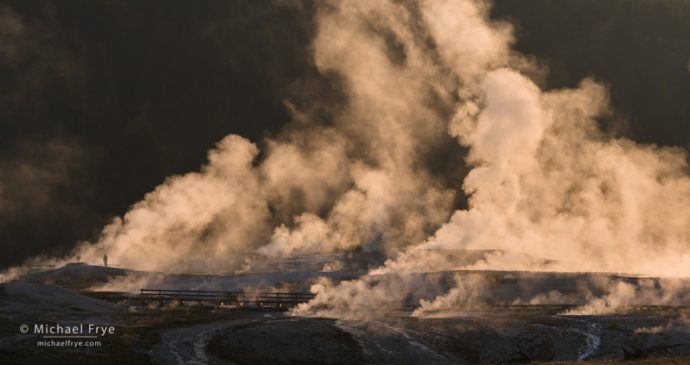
207, 334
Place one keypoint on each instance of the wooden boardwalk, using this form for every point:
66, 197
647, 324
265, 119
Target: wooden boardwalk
260, 300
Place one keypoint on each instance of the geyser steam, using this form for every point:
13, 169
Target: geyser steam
361, 180
546, 182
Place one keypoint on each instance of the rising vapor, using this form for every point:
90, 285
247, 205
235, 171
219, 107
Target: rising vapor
360, 182
548, 191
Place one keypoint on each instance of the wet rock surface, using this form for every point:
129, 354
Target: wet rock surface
479, 338
488, 339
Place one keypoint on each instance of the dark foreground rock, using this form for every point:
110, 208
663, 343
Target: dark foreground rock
287, 341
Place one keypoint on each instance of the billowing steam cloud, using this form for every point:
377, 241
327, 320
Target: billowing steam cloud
361, 181
548, 190
547, 182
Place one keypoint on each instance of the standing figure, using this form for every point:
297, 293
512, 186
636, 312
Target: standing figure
105, 260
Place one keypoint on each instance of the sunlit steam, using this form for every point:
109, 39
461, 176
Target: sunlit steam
548, 190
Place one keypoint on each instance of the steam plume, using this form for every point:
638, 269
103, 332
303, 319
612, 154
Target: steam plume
548, 190
360, 181
546, 182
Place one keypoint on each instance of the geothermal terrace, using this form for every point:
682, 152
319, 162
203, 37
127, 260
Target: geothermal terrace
246, 319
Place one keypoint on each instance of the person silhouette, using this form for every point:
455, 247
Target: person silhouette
105, 260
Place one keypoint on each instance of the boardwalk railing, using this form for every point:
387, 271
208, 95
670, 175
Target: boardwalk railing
243, 299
